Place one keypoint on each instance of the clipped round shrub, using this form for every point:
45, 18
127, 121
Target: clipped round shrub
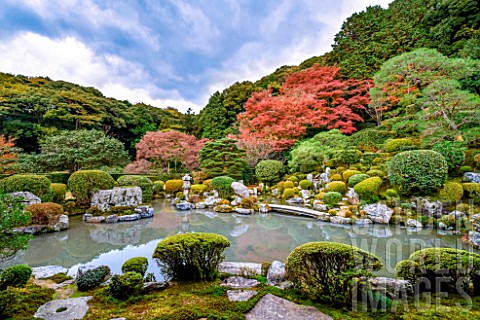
92, 278
269, 170
136, 264
465, 208
324, 270
138, 181
158, 186
84, 183
357, 178
173, 186
408, 270
394, 145
464, 169
452, 191
337, 186
418, 170
198, 188
305, 184
348, 173
447, 263
223, 185
336, 177
288, 193
44, 213
453, 152
369, 188
348, 156
473, 190
191, 256
36, 184
391, 193
59, 191
376, 173
449, 221
126, 285
332, 198
293, 179
288, 185
16, 276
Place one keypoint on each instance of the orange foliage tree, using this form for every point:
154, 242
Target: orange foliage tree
8, 154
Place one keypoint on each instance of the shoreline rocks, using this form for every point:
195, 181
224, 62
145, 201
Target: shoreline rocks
141, 212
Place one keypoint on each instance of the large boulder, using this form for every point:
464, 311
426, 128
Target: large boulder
412, 223
240, 190
184, 205
392, 288
276, 273
62, 223
212, 201
429, 207
124, 196
378, 212
28, 197
149, 287
239, 283
144, 211
472, 177
47, 271
240, 268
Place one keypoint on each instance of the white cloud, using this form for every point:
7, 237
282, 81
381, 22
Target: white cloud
69, 59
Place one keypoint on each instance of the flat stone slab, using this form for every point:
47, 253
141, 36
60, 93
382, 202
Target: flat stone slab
47, 271
239, 283
271, 307
240, 295
240, 268
76, 308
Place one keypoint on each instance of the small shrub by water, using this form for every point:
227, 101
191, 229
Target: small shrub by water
92, 278
16, 276
126, 285
136, 264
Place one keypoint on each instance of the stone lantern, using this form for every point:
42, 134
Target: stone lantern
186, 184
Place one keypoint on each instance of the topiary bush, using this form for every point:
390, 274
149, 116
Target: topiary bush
459, 266
126, 285
288, 185
38, 185
453, 152
370, 139
452, 191
44, 213
158, 186
336, 177
337, 186
59, 191
332, 198
84, 183
138, 181
357, 178
324, 270
473, 190
408, 270
92, 278
348, 173
369, 189
191, 256
347, 156
173, 186
223, 185
288, 193
136, 264
16, 276
418, 170
198, 188
376, 173
395, 145
269, 170
305, 184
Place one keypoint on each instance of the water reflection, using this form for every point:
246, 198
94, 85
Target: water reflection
256, 238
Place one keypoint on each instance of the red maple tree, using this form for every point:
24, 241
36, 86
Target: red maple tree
8, 154
166, 151
315, 97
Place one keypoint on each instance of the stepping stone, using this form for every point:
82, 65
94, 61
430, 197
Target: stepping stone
239, 283
68, 309
271, 307
240, 295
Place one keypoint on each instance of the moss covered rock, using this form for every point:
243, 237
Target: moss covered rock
138, 181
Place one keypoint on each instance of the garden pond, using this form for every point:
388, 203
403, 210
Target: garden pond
254, 238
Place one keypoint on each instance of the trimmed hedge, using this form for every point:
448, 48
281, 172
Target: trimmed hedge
347, 156
269, 170
337, 186
191, 256
453, 152
473, 190
292, 179
92, 278
136, 264
336, 177
369, 188
332, 198
84, 183
198, 188
395, 145
288, 193
173, 186
408, 270
418, 170
36, 184
348, 173
16, 276
376, 173
126, 285
158, 186
139, 181
452, 191
305, 184
324, 270
223, 185
357, 178
59, 191
58, 177
288, 185
44, 213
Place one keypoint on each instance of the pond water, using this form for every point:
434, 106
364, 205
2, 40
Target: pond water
256, 238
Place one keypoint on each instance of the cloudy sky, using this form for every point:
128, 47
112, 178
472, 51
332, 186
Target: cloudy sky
165, 52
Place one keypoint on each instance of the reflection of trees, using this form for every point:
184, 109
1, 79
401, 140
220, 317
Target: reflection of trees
269, 222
